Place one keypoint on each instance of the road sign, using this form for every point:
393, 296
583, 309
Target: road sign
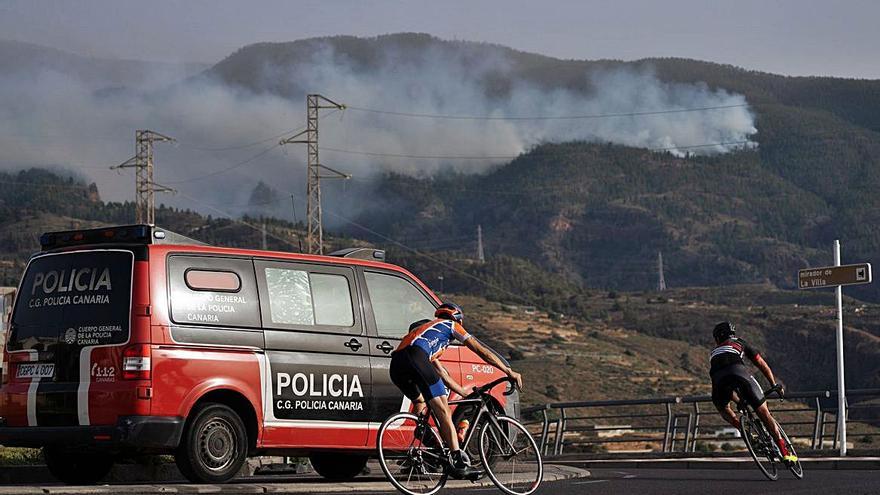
833, 276
837, 276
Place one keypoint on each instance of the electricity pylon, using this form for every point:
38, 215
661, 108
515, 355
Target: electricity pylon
481, 257
314, 217
145, 187
661, 282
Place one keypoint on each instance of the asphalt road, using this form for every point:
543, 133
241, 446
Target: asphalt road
602, 482
703, 481
715, 482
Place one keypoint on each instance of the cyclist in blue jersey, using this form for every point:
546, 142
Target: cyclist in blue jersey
417, 372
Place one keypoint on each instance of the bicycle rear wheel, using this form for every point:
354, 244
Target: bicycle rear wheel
411, 454
760, 445
511, 456
795, 467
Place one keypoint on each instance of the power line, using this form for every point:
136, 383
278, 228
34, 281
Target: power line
227, 169
248, 145
242, 222
40, 184
543, 117
511, 157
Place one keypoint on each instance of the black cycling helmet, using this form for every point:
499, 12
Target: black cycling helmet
723, 331
449, 311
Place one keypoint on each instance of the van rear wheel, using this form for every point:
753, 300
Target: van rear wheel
214, 445
77, 468
338, 467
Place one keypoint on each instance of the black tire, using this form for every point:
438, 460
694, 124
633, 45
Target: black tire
77, 468
214, 445
338, 467
516, 452
411, 453
796, 469
759, 444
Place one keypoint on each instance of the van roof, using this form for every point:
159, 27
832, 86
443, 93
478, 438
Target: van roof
259, 253
162, 240
164, 249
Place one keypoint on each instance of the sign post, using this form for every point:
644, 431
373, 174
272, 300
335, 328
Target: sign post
837, 276
841, 386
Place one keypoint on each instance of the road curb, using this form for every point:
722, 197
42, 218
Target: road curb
868, 463
263, 484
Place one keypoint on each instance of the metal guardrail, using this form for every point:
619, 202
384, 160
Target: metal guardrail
676, 424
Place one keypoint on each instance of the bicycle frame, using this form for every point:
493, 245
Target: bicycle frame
480, 412
483, 410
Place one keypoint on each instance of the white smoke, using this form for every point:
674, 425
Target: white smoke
51, 119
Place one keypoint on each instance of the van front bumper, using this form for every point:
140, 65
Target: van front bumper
136, 433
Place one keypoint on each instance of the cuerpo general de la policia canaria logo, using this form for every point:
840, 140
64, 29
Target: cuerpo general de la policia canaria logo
70, 336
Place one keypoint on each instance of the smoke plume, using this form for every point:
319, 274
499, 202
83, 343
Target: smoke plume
225, 132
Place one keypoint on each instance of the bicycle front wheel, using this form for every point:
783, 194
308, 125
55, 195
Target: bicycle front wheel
511, 456
760, 445
795, 467
411, 454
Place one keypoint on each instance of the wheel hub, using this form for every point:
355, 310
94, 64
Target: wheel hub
217, 445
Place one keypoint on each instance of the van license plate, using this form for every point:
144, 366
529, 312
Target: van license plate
37, 370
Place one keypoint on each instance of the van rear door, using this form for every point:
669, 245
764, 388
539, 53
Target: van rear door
69, 304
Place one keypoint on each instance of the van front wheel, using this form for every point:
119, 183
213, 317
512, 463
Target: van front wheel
76, 468
338, 467
214, 445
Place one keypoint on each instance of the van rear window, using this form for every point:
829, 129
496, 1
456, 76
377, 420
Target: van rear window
76, 299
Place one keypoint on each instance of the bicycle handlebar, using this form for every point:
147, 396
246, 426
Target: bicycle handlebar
777, 389
489, 386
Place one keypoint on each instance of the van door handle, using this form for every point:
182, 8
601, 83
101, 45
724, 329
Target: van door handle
353, 344
385, 347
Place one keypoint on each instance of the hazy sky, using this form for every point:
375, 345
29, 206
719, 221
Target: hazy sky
798, 37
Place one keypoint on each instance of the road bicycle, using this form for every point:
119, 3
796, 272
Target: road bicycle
415, 460
760, 442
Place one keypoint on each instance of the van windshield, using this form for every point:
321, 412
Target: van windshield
81, 299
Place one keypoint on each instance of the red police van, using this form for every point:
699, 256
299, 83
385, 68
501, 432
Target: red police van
134, 340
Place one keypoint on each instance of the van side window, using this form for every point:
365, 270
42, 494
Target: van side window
212, 280
213, 290
303, 296
396, 303
290, 296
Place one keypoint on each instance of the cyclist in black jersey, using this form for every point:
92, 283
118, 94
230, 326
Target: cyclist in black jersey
729, 375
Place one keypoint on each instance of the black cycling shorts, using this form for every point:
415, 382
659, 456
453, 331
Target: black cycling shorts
736, 378
413, 373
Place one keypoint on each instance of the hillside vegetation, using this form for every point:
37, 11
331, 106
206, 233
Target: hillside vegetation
594, 344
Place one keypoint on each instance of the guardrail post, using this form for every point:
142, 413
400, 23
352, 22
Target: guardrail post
668, 427
687, 432
696, 427
816, 430
545, 429
822, 430
560, 430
